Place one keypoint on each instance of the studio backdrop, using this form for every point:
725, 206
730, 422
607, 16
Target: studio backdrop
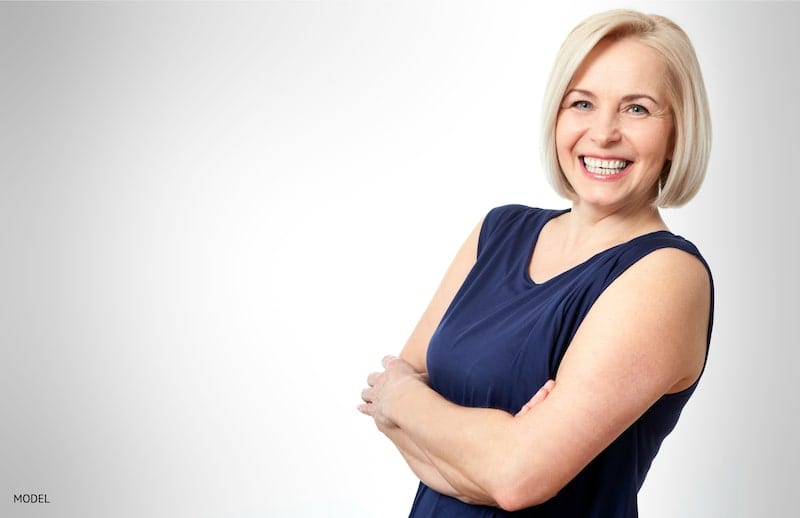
216, 218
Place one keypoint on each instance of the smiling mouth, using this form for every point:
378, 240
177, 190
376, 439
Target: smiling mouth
604, 167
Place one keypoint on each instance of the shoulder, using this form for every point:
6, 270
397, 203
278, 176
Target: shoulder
660, 260
658, 314
515, 210
669, 294
506, 212
668, 275
671, 263
512, 218
676, 288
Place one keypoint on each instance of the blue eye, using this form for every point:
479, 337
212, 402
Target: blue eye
637, 109
582, 105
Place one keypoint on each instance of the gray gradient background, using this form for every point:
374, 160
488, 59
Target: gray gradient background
215, 220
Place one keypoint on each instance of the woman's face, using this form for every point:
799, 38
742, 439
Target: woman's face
614, 129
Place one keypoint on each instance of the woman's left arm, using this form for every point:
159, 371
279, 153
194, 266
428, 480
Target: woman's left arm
644, 336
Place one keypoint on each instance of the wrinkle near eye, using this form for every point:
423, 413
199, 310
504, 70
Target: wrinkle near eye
662, 113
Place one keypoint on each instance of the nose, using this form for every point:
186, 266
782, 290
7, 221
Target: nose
605, 127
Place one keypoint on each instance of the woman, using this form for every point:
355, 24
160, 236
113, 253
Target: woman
598, 311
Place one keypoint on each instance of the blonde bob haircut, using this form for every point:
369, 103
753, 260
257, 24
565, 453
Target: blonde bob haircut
683, 175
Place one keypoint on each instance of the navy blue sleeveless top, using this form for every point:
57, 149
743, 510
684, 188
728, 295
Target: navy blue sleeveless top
504, 335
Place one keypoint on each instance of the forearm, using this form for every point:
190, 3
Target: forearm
435, 473
469, 447
484, 454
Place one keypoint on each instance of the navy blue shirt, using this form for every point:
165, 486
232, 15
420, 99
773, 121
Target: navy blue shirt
503, 337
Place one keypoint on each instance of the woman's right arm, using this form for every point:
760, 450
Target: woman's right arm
425, 469
421, 465
415, 352
416, 348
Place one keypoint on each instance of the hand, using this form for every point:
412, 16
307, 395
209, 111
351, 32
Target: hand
384, 387
537, 398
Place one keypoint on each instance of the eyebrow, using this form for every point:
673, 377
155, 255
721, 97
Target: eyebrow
627, 98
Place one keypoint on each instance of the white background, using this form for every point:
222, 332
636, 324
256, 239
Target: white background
215, 220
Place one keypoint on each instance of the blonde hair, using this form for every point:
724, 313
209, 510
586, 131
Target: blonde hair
686, 93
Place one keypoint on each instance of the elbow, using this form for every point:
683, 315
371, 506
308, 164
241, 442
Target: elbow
515, 496
514, 501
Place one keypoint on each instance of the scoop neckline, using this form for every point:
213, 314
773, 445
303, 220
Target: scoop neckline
526, 266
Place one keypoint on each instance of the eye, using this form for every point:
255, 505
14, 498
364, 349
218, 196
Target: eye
637, 109
582, 105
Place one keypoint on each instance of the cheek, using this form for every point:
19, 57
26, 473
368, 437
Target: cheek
660, 140
562, 139
565, 144
567, 132
659, 150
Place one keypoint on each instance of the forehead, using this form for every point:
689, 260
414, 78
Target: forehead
621, 67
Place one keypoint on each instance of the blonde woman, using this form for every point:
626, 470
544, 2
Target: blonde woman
561, 345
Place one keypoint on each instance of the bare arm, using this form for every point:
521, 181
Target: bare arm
416, 347
414, 352
615, 368
419, 463
435, 472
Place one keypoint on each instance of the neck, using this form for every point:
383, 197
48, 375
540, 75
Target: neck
588, 224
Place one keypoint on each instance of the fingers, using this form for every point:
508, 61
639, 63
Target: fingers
367, 409
546, 388
373, 378
537, 398
366, 396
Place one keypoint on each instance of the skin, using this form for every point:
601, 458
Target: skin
616, 366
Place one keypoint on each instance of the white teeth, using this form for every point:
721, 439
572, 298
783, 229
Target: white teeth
598, 166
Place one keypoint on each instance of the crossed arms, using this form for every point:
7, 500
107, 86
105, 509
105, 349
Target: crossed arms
613, 371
